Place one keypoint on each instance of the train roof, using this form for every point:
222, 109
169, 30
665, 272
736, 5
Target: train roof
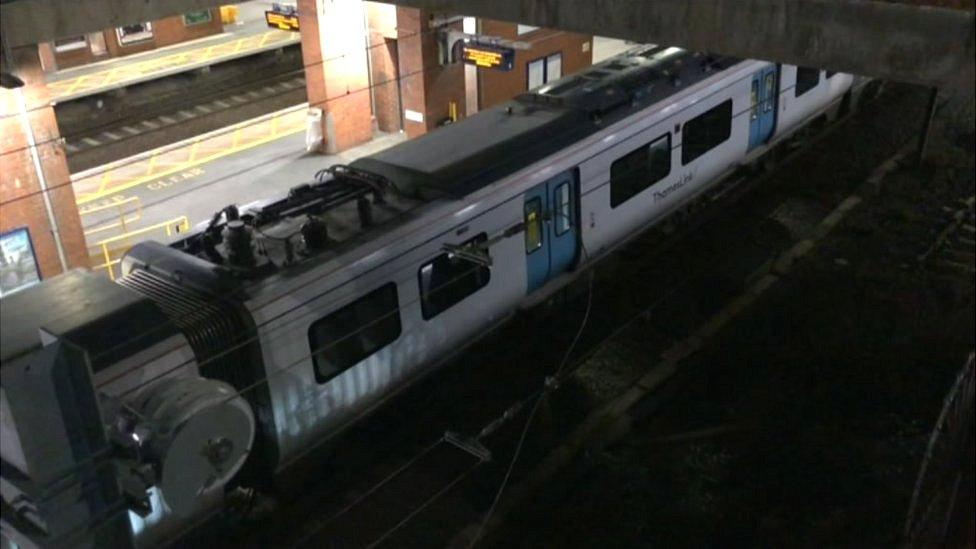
461, 158
346, 206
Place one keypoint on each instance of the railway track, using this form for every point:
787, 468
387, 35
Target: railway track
100, 129
397, 480
954, 246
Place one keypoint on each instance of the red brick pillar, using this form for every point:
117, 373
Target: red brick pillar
21, 197
427, 87
336, 72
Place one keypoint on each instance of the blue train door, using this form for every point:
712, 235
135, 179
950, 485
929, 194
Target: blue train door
551, 230
762, 115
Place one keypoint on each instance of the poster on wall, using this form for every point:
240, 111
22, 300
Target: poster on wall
18, 264
137, 32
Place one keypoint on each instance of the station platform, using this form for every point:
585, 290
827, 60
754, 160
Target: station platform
160, 194
249, 38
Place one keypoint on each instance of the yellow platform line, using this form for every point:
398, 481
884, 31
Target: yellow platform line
105, 180
193, 151
182, 166
152, 164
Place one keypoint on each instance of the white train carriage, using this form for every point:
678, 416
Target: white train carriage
318, 306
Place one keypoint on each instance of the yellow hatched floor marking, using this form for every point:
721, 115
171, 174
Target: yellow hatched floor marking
150, 66
78, 82
169, 162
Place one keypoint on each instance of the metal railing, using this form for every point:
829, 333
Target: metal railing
111, 249
125, 217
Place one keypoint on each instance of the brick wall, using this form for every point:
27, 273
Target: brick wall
497, 87
71, 58
425, 86
21, 202
166, 32
115, 49
171, 30
384, 73
336, 70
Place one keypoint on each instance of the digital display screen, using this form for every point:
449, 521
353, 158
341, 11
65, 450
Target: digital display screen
283, 21
488, 57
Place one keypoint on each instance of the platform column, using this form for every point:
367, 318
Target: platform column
428, 88
336, 70
51, 218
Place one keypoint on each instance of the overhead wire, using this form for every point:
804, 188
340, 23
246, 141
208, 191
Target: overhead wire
310, 354
304, 67
558, 373
168, 323
294, 307
507, 415
535, 408
560, 370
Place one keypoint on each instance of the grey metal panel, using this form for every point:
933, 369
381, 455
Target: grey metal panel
103, 318
68, 496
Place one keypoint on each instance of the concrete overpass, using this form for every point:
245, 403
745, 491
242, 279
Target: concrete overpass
912, 41
24, 22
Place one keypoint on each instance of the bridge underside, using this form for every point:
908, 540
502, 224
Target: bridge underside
910, 41
905, 42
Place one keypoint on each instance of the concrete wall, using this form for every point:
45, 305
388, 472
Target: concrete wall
896, 41
28, 22
497, 87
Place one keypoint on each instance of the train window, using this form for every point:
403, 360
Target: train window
347, 336
806, 80
533, 225
563, 209
447, 279
639, 169
770, 91
706, 131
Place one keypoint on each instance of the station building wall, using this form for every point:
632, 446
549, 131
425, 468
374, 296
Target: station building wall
575, 51
384, 65
107, 44
22, 208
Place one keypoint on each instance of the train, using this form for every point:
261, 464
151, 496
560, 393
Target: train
223, 358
